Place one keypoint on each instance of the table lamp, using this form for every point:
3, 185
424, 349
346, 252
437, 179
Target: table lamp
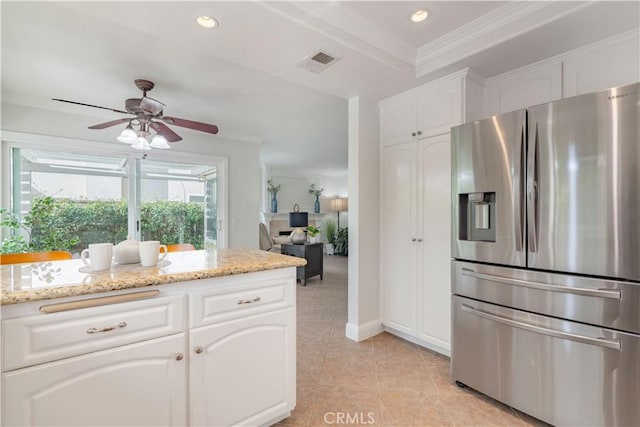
298, 219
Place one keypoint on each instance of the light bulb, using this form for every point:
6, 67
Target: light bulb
207, 21
128, 135
420, 15
142, 144
160, 142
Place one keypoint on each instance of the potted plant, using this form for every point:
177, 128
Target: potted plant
273, 189
316, 192
312, 232
330, 235
341, 243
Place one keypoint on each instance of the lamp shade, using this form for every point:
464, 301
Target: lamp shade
160, 142
128, 135
339, 205
298, 219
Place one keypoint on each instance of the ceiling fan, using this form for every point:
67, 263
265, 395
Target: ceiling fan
149, 115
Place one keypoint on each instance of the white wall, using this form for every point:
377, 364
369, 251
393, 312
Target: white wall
243, 174
364, 224
295, 189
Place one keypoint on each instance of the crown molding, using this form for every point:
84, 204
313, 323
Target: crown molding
504, 23
336, 22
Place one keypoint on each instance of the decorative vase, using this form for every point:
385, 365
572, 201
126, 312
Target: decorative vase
274, 203
316, 208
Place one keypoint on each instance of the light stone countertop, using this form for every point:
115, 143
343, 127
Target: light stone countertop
57, 279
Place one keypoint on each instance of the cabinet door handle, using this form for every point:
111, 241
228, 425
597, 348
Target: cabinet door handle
179, 356
413, 134
107, 329
199, 349
419, 239
419, 132
413, 239
248, 301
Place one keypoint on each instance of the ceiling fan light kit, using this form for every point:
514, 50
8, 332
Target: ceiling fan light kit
128, 135
148, 114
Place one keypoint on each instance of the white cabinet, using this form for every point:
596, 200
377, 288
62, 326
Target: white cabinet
431, 109
399, 233
601, 65
416, 216
434, 254
609, 63
532, 85
240, 370
136, 384
128, 364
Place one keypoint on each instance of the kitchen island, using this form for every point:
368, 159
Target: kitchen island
203, 338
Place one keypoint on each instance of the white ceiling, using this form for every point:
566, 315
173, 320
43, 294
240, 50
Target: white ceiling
243, 75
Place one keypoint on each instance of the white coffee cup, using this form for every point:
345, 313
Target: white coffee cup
150, 253
100, 256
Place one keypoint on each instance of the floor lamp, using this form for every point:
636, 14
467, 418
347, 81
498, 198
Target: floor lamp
338, 205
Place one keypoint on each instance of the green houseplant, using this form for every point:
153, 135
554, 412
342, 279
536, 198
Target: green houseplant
341, 245
329, 234
312, 232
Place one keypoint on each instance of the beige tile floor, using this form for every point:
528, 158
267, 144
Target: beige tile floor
382, 381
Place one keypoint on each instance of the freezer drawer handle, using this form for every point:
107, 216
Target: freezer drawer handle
601, 342
602, 293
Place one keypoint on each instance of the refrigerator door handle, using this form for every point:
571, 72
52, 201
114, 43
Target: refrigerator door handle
600, 342
520, 189
532, 191
601, 293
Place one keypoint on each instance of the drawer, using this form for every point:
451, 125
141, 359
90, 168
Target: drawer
214, 305
42, 338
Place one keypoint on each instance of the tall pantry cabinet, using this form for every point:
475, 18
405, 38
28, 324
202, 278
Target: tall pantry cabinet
416, 205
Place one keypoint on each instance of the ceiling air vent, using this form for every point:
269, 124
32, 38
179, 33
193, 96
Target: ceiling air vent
318, 61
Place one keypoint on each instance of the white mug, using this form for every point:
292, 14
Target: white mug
100, 255
150, 253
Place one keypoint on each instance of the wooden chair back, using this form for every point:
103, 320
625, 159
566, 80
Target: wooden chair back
34, 257
179, 247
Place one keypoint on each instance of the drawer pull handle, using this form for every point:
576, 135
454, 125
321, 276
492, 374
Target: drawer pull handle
107, 329
179, 356
248, 301
199, 349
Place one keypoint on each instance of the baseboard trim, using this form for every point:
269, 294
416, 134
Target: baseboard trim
362, 332
422, 343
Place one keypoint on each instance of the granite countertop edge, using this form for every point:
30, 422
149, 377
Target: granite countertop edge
143, 281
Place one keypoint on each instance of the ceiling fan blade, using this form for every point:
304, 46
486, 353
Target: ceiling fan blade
109, 124
202, 127
165, 131
89, 105
151, 106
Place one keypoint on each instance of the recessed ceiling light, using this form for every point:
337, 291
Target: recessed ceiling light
206, 21
420, 15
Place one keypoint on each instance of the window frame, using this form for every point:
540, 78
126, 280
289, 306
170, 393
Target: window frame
10, 140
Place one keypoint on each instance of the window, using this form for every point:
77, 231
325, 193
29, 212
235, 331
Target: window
168, 210
72, 199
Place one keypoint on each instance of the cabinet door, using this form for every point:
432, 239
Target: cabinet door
439, 107
399, 237
611, 63
243, 372
398, 119
137, 384
434, 198
531, 85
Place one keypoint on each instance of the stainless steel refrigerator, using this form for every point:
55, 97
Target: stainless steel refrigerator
546, 268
